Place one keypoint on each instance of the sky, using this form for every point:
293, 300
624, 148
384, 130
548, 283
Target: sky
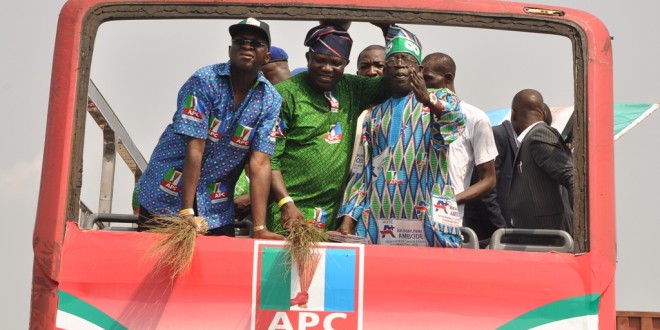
139, 66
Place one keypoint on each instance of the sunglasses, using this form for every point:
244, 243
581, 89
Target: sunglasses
254, 43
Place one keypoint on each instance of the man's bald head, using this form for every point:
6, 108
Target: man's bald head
526, 109
439, 71
548, 114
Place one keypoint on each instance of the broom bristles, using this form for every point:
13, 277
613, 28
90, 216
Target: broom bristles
302, 243
175, 248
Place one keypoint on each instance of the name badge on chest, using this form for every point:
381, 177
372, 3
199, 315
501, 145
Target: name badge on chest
445, 211
401, 232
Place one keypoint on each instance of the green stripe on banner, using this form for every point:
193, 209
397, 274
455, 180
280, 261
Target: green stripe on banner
275, 280
558, 310
626, 113
78, 307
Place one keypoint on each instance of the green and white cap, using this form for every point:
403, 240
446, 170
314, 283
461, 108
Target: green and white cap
253, 24
400, 40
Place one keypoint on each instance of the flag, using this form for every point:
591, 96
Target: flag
333, 287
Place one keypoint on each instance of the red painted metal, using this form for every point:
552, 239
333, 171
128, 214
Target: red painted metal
404, 287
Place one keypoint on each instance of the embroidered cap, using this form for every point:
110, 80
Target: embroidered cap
400, 40
329, 40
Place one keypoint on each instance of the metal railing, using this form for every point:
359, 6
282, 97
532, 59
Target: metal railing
115, 141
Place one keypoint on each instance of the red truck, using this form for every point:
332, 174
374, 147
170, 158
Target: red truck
86, 276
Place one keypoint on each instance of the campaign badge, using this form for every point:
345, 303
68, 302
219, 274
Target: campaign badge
401, 232
335, 134
445, 211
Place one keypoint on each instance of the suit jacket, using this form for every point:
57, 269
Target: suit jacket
542, 164
492, 212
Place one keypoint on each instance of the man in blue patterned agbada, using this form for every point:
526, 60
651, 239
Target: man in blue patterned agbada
400, 191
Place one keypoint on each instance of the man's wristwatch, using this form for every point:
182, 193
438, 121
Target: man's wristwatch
433, 99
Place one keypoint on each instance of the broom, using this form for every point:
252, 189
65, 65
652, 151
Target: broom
177, 245
302, 250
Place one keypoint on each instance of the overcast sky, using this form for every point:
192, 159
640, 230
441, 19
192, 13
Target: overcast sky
139, 66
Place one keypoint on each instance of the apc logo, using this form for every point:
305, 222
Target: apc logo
214, 127
387, 230
325, 293
242, 137
441, 205
190, 111
170, 183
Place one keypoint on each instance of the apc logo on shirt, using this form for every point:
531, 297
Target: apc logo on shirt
320, 216
358, 191
421, 207
214, 126
170, 183
421, 159
278, 129
218, 192
322, 293
190, 109
335, 134
242, 137
391, 178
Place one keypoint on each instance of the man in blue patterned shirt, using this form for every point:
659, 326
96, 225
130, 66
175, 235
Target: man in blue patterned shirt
225, 117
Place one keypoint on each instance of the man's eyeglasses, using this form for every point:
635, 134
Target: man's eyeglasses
394, 61
254, 43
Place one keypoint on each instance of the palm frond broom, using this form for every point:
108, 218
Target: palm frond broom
174, 249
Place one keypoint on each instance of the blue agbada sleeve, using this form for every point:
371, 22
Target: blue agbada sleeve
451, 123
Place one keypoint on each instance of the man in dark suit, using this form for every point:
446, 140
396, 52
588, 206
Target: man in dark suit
542, 164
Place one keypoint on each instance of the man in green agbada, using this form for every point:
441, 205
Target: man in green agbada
319, 113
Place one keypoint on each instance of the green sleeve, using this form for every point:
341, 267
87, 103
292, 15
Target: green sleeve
372, 90
242, 185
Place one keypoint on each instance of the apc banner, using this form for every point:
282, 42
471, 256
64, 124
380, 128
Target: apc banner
324, 295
